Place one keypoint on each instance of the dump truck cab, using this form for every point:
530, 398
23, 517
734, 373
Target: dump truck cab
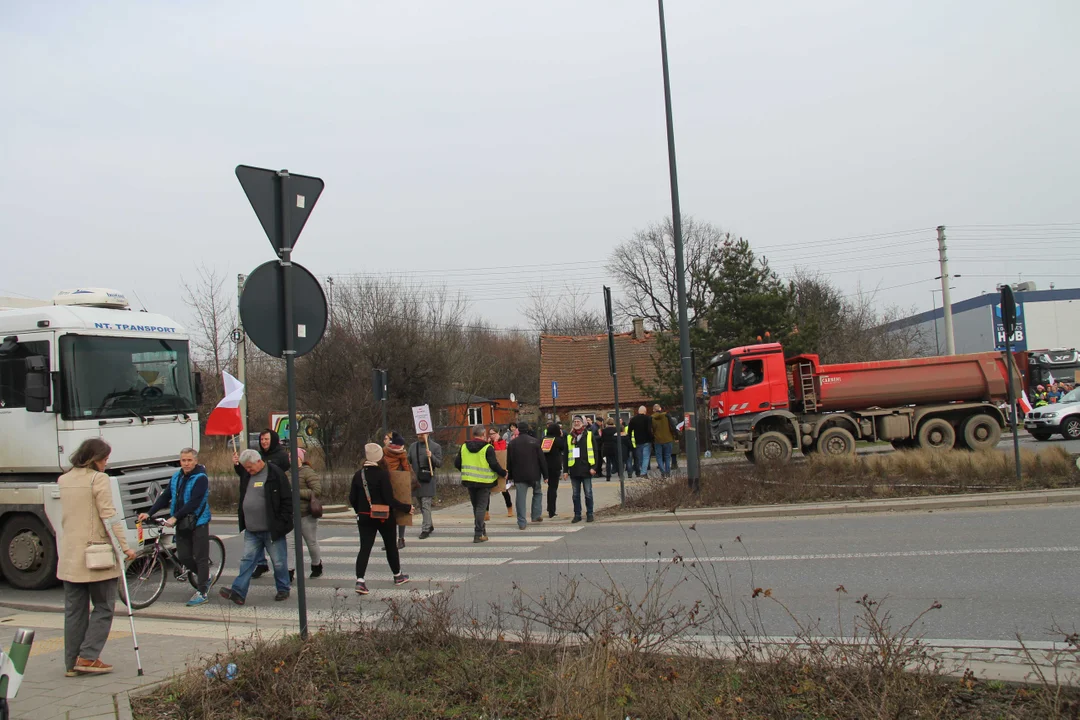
749, 395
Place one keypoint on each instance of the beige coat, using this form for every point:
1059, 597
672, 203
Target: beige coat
82, 507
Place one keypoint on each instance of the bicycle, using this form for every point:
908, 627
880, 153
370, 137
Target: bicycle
146, 573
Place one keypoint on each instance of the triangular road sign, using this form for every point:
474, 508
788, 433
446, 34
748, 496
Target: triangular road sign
261, 187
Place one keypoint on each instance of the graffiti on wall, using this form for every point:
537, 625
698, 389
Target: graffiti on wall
279, 423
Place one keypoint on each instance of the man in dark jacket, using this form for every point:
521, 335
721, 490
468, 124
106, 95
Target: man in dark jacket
188, 498
525, 465
424, 458
582, 465
266, 517
480, 471
273, 452
641, 438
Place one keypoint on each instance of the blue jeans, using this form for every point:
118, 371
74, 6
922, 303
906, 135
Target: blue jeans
663, 457
522, 491
256, 544
577, 484
642, 452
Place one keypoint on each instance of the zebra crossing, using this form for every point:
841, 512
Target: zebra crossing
446, 559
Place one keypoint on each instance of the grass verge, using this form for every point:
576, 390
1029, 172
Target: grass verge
907, 473
588, 652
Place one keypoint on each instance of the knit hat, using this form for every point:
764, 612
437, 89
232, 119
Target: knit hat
396, 439
373, 453
523, 427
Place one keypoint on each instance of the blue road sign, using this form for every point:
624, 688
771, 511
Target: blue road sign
554, 390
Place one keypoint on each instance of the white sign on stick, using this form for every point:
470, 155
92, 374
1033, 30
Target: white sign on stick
422, 419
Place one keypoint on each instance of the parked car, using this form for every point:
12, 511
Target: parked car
1060, 418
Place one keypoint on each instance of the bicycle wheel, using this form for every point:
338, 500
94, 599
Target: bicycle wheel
145, 581
217, 563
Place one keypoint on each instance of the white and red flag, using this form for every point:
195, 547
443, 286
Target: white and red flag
1024, 403
225, 418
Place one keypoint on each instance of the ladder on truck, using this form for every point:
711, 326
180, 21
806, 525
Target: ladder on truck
806, 382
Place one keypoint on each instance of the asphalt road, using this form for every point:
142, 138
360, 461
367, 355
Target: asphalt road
996, 573
1029, 443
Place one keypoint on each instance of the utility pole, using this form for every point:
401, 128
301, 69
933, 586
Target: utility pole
689, 400
946, 298
241, 358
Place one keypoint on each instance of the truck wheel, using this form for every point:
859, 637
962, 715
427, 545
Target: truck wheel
981, 432
1070, 428
772, 448
836, 442
27, 553
937, 434
749, 455
1041, 436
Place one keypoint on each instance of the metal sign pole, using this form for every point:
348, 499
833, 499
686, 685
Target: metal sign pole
1008, 321
615, 389
290, 379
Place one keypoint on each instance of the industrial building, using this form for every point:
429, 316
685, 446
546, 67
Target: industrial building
1047, 328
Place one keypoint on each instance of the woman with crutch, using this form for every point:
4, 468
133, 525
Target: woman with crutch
87, 562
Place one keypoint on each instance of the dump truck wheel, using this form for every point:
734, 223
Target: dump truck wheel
836, 442
981, 432
937, 434
772, 448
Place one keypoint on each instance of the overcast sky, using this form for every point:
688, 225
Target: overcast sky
511, 134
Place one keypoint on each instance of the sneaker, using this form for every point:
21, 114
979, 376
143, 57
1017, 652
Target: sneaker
539, 519
425, 534
260, 571
361, 588
70, 673
401, 579
590, 518
401, 543
229, 594
480, 538
521, 527
577, 519
552, 516
95, 667
281, 595
198, 599
316, 571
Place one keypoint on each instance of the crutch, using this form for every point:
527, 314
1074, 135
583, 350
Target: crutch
127, 593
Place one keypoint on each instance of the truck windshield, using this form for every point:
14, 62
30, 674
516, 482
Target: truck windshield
107, 377
720, 374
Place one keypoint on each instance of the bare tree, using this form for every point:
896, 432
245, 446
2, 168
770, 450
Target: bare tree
563, 313
213, 317
644, 266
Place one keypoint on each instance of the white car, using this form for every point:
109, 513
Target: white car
1062, 418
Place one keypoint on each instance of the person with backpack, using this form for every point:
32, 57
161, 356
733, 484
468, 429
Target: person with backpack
372, 498
396, 458
553, 455
424, 458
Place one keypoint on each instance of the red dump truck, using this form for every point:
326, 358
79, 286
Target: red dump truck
766, 406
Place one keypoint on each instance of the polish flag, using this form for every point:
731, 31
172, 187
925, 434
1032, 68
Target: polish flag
1024, 403
225, 418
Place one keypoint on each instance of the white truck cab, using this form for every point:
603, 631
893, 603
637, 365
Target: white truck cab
85, 366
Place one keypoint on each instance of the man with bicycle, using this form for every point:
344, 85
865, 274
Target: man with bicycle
188, 500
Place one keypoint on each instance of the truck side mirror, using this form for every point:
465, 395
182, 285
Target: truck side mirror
198, 388
38, 391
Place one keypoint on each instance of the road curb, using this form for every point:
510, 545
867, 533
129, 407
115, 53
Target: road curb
944, 502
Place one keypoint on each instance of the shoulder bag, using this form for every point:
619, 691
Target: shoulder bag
377, 512
99, 556
315, 507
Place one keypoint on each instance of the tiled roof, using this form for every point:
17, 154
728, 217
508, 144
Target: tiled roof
580, 366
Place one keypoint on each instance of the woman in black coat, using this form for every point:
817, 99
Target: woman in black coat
371, 486
554, 456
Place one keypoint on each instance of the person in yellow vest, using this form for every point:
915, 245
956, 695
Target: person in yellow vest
582, 465
480, 470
